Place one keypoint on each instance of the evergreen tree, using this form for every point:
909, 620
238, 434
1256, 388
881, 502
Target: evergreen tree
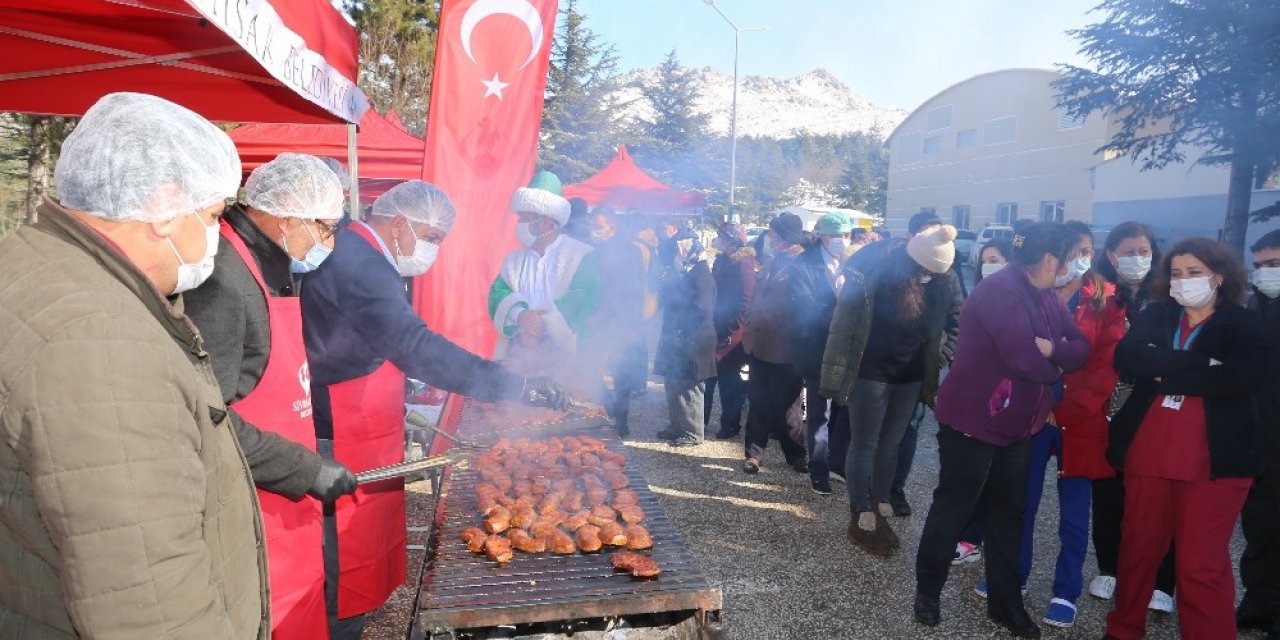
675, 125
397, 51
579, 115
864, 183
1181, 75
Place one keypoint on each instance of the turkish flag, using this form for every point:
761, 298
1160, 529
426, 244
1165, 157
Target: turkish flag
482, 143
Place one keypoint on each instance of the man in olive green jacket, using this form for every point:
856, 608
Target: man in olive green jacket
127, 511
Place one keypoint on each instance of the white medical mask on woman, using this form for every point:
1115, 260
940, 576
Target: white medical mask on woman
191, 276
1267, 280
1133, 269
1075, 269
423, 256
837, 246
990, 268
1192, 293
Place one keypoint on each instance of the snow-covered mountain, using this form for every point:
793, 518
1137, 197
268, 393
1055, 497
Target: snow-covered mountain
816, 102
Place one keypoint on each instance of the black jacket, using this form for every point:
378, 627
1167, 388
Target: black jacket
1234, 337
231, 313
812, 313
1269, 399
687, 346
355, 317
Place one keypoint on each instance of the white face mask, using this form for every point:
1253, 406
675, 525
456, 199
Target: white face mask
191, 276
1133, 269
1267, 280
525, 234
990, 268
1075, 269
1192, 293
315, 255
837, 246
424, 255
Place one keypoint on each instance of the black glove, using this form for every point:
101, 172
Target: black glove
545, 392
333, 482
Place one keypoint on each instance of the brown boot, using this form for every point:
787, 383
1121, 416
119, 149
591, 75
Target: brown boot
882, 522
868, 531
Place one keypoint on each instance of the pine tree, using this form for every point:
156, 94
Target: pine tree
675, 126
579, 116
1186, 74
397, 51
864, 183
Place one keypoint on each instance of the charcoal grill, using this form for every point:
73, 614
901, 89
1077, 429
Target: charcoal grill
461, 590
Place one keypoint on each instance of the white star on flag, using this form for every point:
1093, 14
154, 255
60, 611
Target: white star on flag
494, 87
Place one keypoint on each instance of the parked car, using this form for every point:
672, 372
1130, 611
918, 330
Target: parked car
988, 233
964, 243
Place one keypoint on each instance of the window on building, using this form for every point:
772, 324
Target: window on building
932, 144
966, 138
1067, 121
1053, 210
1006, 213
1000, 130
960, 216
939, 118
908, 147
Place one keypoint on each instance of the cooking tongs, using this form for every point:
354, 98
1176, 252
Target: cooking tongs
405, 469
464, 445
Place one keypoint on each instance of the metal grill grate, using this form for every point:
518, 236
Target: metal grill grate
462, 590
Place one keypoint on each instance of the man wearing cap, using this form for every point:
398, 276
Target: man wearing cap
770, 340
128, 508
362, 338
823, 264
734, 273
250, 316
548, 288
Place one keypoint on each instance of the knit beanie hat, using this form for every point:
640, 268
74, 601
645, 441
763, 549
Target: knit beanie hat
789, 227
543, 197
833, 224
934, 248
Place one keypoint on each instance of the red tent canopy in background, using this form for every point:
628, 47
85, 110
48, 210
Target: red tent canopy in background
266, 61
385, 150
625, 187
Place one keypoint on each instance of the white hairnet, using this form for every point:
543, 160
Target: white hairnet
338, 170
295, 185
417, 201
138, 157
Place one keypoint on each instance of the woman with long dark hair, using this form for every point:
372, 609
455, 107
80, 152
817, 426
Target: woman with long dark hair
1125, 263
1016, 340
883, 355
1184, 438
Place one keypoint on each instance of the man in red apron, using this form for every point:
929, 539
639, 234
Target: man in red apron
362, 338
251, 319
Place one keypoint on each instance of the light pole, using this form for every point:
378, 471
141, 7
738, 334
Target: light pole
733, 112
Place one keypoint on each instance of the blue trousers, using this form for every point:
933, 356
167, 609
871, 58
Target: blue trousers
1074, 495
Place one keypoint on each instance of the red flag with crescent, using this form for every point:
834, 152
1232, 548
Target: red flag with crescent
482, 143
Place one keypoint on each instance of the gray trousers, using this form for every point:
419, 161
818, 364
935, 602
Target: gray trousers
345, 628
878, 417
686, 405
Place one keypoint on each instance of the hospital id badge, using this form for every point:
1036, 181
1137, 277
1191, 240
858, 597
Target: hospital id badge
1173, 403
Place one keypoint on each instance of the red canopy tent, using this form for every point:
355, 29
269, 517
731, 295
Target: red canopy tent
626, 187
268, 61
384, 149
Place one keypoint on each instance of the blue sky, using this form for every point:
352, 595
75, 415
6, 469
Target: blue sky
895, 53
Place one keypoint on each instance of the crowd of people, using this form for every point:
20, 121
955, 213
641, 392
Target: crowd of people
182, 405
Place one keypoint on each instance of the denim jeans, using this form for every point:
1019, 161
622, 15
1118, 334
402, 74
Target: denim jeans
907, 450
817, 415
1074, 498
878, 416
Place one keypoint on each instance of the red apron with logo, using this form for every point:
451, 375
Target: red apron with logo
281, 404
368, 432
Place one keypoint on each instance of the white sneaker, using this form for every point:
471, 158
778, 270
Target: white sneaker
1103, 587
885, 509
966, 553
1161, 602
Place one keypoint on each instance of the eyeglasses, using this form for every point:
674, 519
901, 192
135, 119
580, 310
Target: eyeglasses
327, 230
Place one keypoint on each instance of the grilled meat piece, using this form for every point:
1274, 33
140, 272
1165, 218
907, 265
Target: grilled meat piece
638, 537
523, 518
588, 538
560, 542
497, 520
602, 515
612, 535
631, 514
474, 537
498, 549
577, 520
638, 564
521, 540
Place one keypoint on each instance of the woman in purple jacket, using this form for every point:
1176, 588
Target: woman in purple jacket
1016, 340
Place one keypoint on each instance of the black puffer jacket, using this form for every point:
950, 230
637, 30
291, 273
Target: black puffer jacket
812, 312
1234, 337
